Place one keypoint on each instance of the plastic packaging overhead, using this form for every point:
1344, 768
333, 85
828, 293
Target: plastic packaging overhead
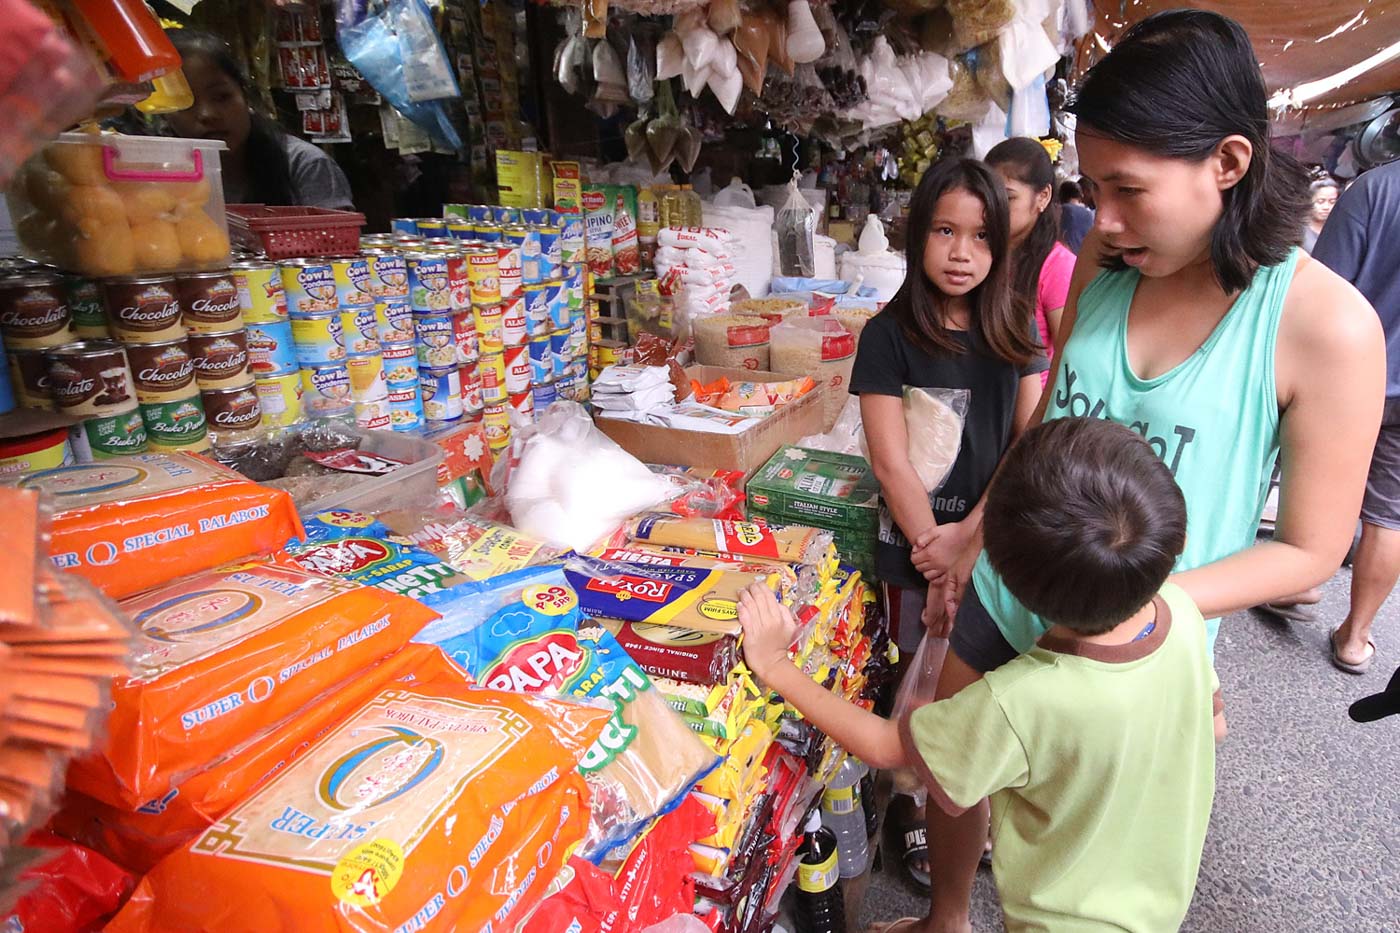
572, 485
900, 87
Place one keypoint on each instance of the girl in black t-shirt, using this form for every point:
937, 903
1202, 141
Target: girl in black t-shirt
954, 324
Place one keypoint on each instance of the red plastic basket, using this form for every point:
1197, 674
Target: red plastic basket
289, 232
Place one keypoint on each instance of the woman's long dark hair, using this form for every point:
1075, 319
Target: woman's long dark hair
1027, 161
269, 175
1176, 85
1000, 319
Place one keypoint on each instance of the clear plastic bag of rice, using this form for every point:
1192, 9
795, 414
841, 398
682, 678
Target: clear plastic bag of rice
854, 317
735, 341
820, 347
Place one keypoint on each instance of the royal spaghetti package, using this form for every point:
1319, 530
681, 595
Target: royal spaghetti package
705, 600
435, 807
225, 655
131, 523
138, 839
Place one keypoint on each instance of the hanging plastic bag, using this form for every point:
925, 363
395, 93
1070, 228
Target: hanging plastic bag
934, 419
1030, 111
427, 72
373, 48
918, 688
796, 227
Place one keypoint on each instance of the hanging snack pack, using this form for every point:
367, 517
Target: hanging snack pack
521, 632
433, 807
224, 656
131, 523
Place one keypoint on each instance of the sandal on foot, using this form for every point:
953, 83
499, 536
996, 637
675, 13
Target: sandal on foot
895, 926
1288, 612
1360, 667
913, 851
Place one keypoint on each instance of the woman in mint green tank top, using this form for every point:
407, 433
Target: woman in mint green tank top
1194, 319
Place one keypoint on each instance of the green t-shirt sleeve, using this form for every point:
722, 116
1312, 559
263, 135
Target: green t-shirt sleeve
965, 748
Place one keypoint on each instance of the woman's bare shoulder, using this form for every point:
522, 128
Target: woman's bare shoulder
1328, 330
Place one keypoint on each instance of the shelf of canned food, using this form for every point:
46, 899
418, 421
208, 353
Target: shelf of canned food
422, 328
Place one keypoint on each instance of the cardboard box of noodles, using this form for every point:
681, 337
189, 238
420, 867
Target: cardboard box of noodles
745, 451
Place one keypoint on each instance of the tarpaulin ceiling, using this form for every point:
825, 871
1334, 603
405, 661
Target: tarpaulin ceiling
1314, 55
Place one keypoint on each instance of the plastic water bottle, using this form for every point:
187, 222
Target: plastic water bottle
818, 907
867, 801
843, 815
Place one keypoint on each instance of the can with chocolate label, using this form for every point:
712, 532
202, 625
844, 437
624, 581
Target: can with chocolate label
29, 375
91, 378
163, 372
261, 298
176, 425
111, 436
326, 390
209, 301
234, 415
318, 338
221, 359
143, 308
34, 311
271, 351
86, 307
280, 398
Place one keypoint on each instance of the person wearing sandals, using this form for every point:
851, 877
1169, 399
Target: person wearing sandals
1361, 243
1195, 319
1096, 746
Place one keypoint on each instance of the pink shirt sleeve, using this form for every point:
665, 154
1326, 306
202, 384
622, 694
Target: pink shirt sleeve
1054, 279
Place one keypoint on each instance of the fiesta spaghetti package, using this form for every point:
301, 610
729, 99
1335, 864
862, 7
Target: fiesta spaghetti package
793, 543
138, 839
522, 632
434, 807
131, 523
688, 597
223, 656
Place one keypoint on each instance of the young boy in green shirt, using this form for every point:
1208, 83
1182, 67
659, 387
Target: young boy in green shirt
1097, 746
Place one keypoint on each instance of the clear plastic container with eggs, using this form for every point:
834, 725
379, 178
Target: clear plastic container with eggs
109, 204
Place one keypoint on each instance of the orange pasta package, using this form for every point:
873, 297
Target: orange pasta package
138, 839
435, 807
131, 523
222, 657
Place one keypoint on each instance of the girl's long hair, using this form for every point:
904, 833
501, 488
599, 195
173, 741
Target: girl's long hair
269, 176
1000, 319
1176, 85
1027, 161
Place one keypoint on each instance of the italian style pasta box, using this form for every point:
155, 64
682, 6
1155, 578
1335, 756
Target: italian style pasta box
222, 657
434, 807
131, 523
138, 839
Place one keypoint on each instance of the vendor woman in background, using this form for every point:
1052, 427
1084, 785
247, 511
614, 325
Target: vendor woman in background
1043, 265
263, 164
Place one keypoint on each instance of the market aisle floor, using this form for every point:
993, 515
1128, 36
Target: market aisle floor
1305, 835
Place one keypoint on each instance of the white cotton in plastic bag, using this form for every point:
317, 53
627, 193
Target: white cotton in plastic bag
572, 484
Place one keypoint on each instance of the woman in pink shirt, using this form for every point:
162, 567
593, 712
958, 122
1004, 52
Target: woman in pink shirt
1044, 265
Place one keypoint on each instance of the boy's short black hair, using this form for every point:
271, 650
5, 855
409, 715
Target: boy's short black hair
1084, 523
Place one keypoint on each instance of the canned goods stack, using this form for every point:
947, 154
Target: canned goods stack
271, 355
313, 290
217, 344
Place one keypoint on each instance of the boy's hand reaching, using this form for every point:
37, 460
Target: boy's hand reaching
769, 628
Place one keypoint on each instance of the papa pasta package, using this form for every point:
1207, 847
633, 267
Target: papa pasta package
688, 597
358, 547
434, 807
131, 523
138, 839
223, 656
791, 544
522, 633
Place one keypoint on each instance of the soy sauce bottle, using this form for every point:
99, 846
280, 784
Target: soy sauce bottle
818, 907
